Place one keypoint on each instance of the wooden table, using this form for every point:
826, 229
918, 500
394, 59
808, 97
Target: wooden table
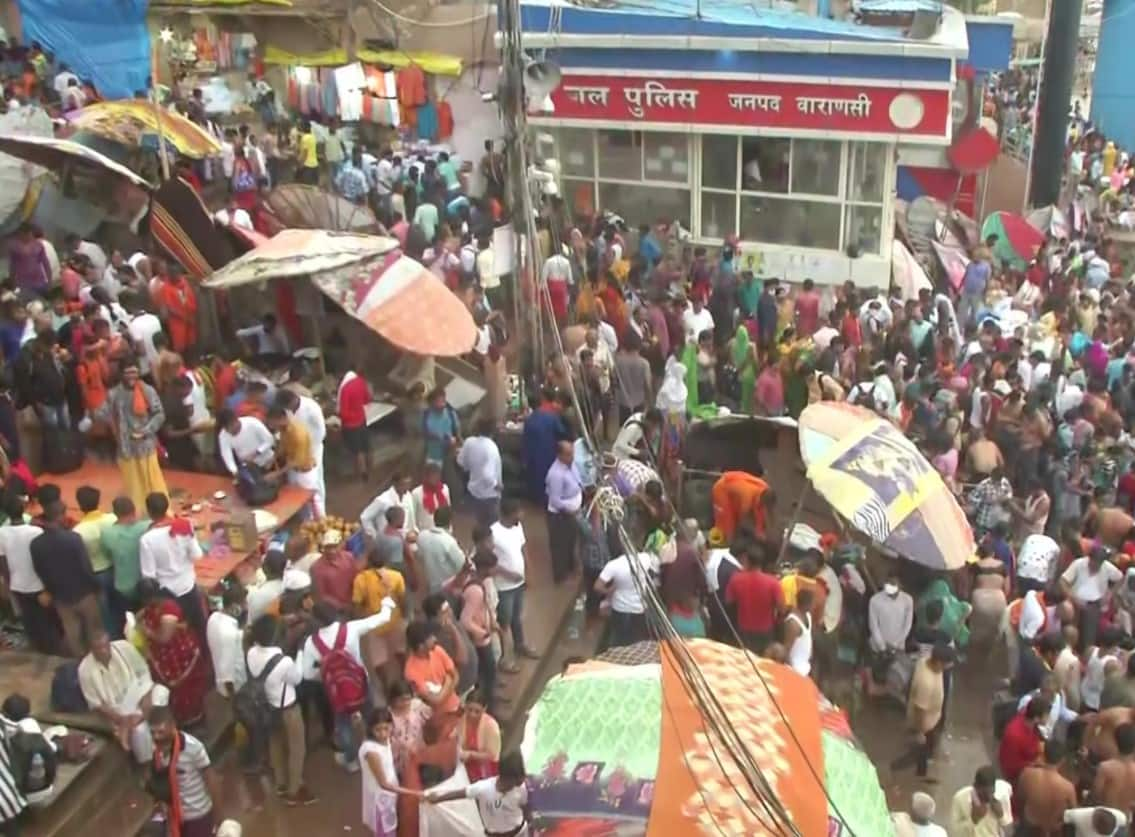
186, 488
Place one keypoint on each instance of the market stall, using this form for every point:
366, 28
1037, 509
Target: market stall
208, 500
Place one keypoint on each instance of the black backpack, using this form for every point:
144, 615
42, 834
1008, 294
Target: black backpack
251, 706
253, 487
33, 760
66, 694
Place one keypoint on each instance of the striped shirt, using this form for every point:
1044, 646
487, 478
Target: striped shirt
12, 802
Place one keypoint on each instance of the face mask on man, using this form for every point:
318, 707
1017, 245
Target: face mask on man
891, 589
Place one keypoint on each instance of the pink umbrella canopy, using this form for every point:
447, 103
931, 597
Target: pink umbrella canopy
414, 310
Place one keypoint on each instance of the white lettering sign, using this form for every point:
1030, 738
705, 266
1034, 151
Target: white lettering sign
859, 107
656, 94
754, 102
588, 95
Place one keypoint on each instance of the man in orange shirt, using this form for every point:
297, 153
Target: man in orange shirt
177, 303
739, 497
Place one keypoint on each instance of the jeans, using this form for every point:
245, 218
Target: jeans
313, 700
485, 511
510, 614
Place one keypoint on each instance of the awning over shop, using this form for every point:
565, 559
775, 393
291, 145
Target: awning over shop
294, 253
364, 274
430, 62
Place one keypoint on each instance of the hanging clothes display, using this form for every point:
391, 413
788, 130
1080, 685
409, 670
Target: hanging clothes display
412, 86
444, 121
427, 122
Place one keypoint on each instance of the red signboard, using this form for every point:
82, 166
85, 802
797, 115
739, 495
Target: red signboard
759, 104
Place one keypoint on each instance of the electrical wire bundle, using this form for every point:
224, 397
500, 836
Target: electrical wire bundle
757, 796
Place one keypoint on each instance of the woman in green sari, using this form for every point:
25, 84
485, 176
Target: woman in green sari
744, 355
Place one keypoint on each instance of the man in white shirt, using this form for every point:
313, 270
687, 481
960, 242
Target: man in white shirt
1096, 822
512, 558
166, 554
268, 337
116, 683
346, 743
696, 319
226, 642
25, 584
502, 800
373, 517
233, 215
142, 328
480, 457
63, 79
620, 580
1059, 713
265, 596
280, 675
1087, 581
984, 808
244, 439
1036, 562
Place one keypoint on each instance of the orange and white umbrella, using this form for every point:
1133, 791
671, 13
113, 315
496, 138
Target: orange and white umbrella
414, 310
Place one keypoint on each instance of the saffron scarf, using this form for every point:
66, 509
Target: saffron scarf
173, 823
140, 405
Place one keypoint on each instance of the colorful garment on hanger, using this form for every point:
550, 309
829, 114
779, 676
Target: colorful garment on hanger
412, 86
427, 122
444, 120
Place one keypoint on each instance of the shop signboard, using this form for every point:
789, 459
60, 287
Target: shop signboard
849, 108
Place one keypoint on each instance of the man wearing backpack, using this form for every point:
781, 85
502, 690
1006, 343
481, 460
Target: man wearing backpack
267, 707
32, 757
332, 655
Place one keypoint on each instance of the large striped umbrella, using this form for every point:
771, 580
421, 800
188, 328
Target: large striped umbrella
1017, 240
875, 478
134, 122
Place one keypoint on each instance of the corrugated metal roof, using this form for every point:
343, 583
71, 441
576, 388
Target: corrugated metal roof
899, 6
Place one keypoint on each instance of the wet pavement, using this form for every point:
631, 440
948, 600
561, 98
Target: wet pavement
879, 723
250, 800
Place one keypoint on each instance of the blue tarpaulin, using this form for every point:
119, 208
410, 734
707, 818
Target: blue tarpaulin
105, 41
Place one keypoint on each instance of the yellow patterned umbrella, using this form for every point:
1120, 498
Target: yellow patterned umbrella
134, 123
876, 479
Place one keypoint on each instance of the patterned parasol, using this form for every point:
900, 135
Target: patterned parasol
617, 746
131, 121
299, 206
877, 479
410, 307
1017, 240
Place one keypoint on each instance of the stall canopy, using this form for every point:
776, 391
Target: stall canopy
134, 123
56, 154
299, 206
616, 748
430, 62
366, 276
876, 479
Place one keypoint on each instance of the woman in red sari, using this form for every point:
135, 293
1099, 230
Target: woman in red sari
480, 739
174, 653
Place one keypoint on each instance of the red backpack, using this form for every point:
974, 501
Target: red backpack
344, 680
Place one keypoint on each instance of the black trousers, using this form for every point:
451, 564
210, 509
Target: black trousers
919, 754
561, 543
41, 623
487, 675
